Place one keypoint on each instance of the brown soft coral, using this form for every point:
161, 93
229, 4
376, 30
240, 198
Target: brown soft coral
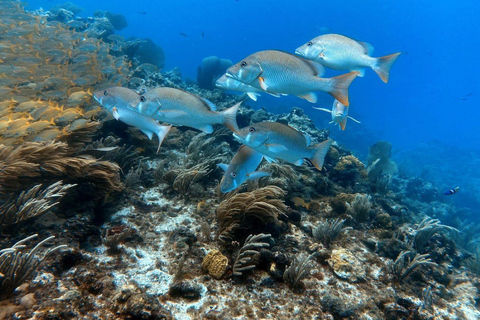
23, 166
250, 210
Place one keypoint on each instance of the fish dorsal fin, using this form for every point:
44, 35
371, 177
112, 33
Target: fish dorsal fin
316, 67
368, 47
223, 166
308, 140
319, 70
209, 104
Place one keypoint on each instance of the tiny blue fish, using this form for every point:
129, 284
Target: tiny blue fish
451, 191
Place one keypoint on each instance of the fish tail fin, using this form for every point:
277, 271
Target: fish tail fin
230, 117
319, 153
343, 124
161, 133
340, 84
383, 65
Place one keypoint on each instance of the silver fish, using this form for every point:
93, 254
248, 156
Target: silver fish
228, 83
339, 114
241, 168
278, 141
283, 73
120, 101
183, 108
342, 53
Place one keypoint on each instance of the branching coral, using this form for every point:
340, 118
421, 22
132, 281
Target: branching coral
425, 231
360, 207
247, 257
327, 231
114, 237
202, 155
242, 211
31, 203
20, 166
298, 270
16, 266
404, 265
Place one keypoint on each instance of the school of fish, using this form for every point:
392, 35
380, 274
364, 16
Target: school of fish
273, 72
47, 84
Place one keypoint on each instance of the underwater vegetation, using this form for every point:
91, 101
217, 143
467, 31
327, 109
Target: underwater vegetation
133, 230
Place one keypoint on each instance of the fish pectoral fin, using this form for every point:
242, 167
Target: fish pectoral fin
253, 95
309, 96
257, 175
222, 166
276, 95
275, 147
353, 119
361, 72
115, 113
269, 159
208, 128
262, 83
299, 162
323, 109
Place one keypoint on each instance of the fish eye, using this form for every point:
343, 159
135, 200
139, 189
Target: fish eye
243, 64
310, 43
143, 99
105, 93
233, 174
251, 129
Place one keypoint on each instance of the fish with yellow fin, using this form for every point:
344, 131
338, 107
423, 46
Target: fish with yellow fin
339, 114
120, 102
339, 52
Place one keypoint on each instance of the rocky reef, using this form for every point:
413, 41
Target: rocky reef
95, 224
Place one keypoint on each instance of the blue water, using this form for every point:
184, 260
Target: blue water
433, 88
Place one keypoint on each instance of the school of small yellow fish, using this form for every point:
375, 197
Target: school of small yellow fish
47, 72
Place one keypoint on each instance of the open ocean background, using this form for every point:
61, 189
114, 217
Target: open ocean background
428, 110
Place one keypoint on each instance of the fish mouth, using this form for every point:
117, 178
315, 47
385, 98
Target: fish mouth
238, 137
300, 53
231, 75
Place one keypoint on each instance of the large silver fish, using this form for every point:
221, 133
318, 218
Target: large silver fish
241, 168
342, 53
183, 108
278, 141
339, 114
228, 83
121, 102
283, 73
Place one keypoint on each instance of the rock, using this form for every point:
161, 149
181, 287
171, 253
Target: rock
185, 289
346, 266
28, 300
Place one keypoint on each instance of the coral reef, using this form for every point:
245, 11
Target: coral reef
247, 257
16, 266
140, 226
245, 212
215, 263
